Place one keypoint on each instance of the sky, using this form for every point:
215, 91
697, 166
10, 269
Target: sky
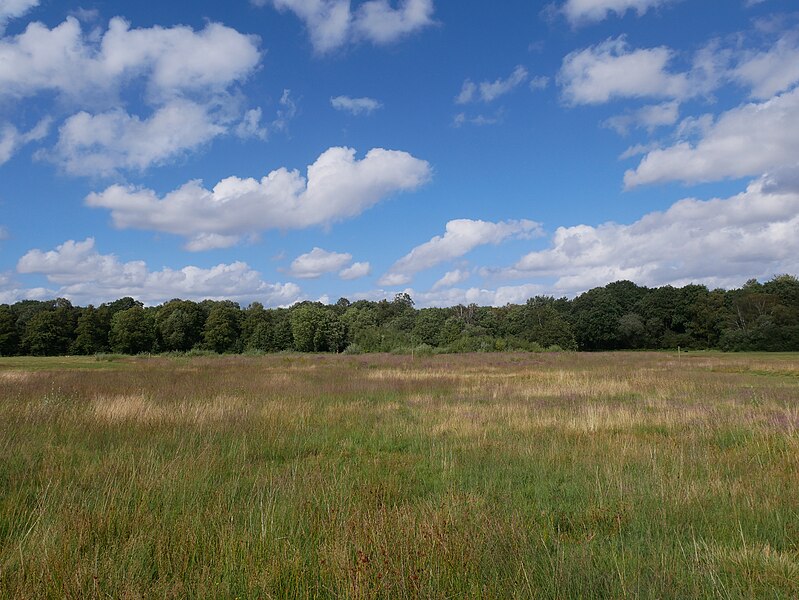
462, 152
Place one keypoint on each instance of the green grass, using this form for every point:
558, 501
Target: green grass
634, 475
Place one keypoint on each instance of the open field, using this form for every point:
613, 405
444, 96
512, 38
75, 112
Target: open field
459, 476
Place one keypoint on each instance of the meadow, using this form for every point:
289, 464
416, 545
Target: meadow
553, 475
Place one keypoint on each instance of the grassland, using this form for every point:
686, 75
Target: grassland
640, 475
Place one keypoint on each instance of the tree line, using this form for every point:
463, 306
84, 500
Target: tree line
620, 315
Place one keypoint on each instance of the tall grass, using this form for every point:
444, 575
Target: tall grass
378, 476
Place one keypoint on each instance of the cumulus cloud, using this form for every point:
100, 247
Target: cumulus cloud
719, 242
355, 271
451, 278
171, 61
13, 9
11, 291
612, 69
251, 126
318, 262
12, 139
211, 241
500, 296
648, 117
771, 71
104, 143
332, 24
461, 236
186, 76
355, 106
591, 11
488, 91
85, 275
338, 186
745, 141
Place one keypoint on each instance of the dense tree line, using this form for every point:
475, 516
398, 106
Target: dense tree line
620, 315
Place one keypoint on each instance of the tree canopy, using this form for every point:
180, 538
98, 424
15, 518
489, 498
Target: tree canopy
620, 315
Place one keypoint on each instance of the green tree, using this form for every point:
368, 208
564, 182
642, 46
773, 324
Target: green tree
305, 319
179, 325
317, 328
46, 334
132, 331
539, 321
90, 336
596, 315
360, 320
331, 333
428, 325
9, 338
223, 328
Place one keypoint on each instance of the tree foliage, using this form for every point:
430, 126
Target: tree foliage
620, 315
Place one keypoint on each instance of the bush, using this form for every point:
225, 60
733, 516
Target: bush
353, 349
423, 350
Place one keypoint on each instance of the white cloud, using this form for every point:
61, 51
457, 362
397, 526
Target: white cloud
540, 82
13, 9
488, 91
461, 237
355, 271
355, 106
451, 278
395, 279
104, 143
590, 11
745, 141
508, 294
11, 291
612, 70
772, 71
211, 241
86, 15
332, 23
318, 262
378, 22
719, 242
467, 93
85, 275
251, 127
286, 112
171, 61
338, 187
186, 75
462, 119
11, 139
500, 296
648, 117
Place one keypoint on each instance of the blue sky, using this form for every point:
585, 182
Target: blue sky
280, 150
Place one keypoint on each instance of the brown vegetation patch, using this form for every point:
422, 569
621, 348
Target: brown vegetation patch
141, 410
15, 376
